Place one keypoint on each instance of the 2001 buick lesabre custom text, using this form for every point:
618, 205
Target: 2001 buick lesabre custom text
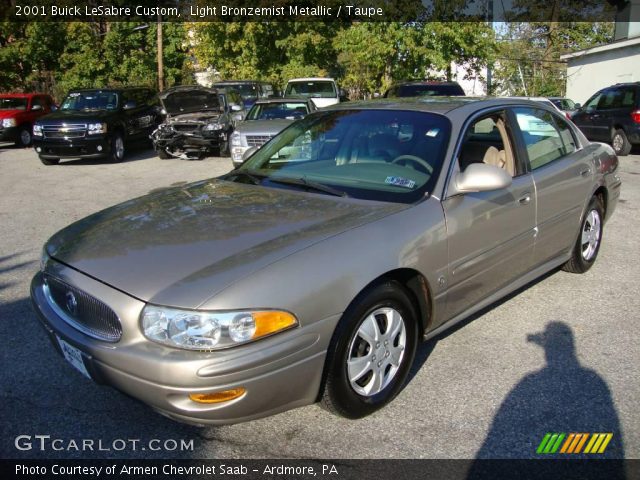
309, 273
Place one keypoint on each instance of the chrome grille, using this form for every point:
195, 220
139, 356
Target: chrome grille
257, 140
76, 130
82, 311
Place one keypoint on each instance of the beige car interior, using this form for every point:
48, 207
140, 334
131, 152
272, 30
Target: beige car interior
487, 141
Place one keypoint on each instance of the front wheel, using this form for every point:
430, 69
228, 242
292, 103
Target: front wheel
117, 148
24, 137
587, 245
371, 352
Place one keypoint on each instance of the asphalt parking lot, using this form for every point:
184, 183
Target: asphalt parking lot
482, 390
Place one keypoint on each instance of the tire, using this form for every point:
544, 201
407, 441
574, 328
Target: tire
585, 251
163, 154
117, 148
50, 161
620, 143
374, 381
24, 137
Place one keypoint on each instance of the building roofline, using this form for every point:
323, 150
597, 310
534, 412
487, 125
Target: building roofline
627, 42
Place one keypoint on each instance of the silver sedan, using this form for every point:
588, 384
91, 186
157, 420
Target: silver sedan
310, 273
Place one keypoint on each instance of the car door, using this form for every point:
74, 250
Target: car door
490, 234
562, 175
140, 118
602, 119
583, 118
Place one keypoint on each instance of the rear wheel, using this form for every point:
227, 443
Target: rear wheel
117, 148
371, 352
163, 154
24, 137
50, 161
620, 143
588, 243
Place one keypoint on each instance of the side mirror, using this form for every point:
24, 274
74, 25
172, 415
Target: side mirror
35, 108
236, 108
342, 93
479, 177
129, 105
577, 106
237, 117
54, 108
248, 153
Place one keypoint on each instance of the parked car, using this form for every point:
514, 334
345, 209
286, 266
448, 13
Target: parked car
18, 111
323, 91
250, 90
566, 105
265, 119
311, 272
424, 89
612, 116
96, 123
199, 121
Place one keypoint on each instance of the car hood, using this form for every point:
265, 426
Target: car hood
252, 127
71, 116
180, 246
10, 113
190, 99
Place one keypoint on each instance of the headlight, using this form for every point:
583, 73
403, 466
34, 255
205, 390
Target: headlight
213, 126
95, 128
199, 330
37, 130
236, 139
9, 122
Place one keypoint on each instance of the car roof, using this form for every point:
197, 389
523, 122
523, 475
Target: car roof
284, 100
236, 82
441, 105
425, 82
312, 79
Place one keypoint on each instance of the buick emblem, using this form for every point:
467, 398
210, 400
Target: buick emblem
72, 303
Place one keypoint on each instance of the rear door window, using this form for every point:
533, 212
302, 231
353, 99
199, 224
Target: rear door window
544, 140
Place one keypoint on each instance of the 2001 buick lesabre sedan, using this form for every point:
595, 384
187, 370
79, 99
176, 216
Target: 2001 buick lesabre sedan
310, 273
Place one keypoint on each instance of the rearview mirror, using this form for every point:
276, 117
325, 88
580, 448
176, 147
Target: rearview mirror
479, 177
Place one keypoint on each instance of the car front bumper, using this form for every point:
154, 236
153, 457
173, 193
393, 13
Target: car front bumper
278, 373
87, 147
8, 134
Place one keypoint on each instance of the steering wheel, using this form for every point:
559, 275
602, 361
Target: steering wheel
414, 159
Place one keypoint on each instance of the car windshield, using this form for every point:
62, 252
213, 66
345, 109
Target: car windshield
90, 101
282, 110
383, 155
13, 103
248, 91
312, 88
425, 91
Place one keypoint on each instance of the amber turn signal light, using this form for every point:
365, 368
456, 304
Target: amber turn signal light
217, 397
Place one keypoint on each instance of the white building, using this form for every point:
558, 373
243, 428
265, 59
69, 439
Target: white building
598, 67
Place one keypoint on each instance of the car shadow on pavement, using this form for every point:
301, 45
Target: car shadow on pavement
134, 153
563, 409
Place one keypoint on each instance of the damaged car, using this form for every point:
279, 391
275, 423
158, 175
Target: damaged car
198, 122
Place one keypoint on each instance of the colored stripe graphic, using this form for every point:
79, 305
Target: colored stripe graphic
574, 443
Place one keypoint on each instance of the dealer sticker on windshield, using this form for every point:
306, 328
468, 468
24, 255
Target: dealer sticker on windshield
400, 182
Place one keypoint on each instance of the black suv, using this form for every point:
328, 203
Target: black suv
612, 116
425, 89
96, 123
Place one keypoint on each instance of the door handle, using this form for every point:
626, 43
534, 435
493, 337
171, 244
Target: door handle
585, 172
525, 199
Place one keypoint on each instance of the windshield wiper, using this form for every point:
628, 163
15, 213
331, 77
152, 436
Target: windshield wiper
303, 182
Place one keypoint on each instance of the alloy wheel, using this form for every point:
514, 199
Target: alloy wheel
591, 235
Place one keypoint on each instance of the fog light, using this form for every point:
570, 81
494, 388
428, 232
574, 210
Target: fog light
217, 397
38, 149
99, 148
